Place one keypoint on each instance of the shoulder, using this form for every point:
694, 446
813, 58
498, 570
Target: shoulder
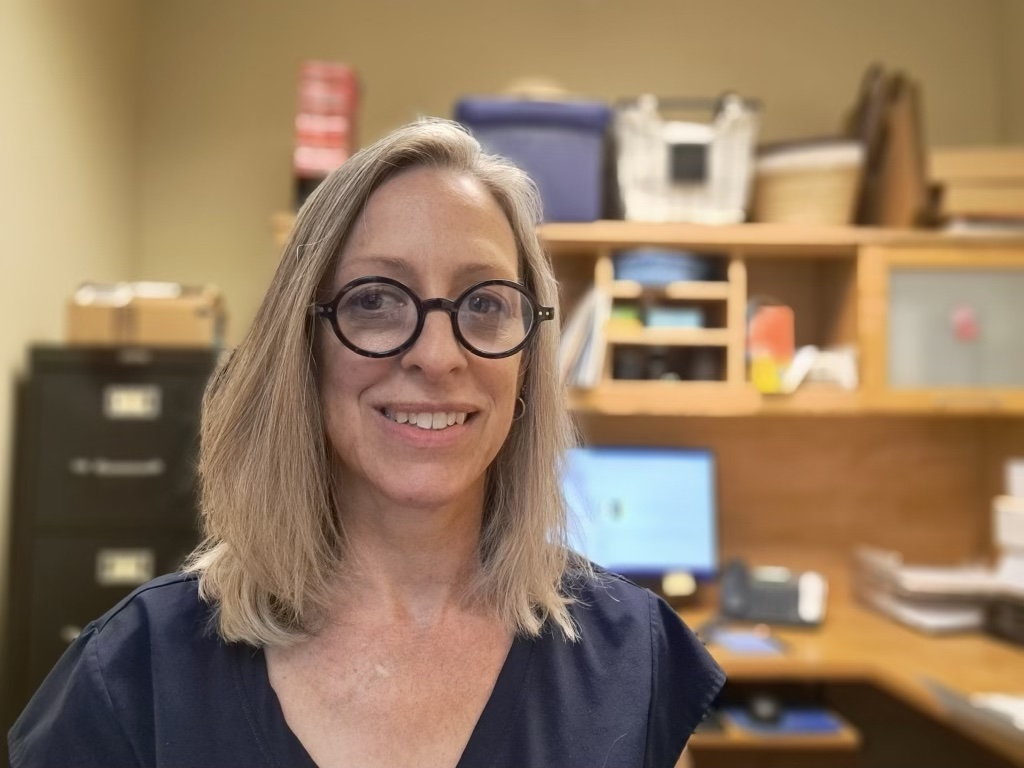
167, 598
169, 603
103, 696
610, 608
155, 629
617, 617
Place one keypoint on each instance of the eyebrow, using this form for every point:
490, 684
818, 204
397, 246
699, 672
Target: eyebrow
398, 264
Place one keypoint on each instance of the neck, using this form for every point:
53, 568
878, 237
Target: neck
412, 564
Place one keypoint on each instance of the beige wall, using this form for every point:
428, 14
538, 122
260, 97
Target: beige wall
1010, 51
68, 152
218, 96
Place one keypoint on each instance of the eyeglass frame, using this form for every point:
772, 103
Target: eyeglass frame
328, 310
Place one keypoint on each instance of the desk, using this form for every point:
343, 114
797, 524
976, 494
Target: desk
856, 645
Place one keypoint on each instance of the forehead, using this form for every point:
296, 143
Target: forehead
429, 225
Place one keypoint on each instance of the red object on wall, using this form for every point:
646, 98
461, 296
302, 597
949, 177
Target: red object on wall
325, 125
964, 320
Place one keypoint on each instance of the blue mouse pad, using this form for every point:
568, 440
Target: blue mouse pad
791, 720
746, 643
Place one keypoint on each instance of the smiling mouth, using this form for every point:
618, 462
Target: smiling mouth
436, 420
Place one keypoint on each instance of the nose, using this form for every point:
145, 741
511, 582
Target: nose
437, 352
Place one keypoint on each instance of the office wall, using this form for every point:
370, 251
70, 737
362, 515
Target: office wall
1010, 63
67, 174
219, 83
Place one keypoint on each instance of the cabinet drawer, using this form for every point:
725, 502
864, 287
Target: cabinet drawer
77, 580
114, 445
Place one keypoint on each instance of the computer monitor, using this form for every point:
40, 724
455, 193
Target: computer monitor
644, 512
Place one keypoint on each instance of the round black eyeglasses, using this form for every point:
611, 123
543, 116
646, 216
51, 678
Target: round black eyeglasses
379, 317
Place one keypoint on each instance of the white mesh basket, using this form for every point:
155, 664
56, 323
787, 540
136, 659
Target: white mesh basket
671, 169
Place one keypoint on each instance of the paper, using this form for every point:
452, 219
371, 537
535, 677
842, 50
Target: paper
1015, 477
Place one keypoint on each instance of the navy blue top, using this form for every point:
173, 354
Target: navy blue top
152, 684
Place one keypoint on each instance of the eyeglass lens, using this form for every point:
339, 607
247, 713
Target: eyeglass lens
380, 317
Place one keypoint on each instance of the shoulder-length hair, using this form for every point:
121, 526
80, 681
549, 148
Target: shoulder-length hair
274, 541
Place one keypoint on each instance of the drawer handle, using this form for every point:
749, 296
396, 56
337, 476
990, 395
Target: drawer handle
115, 468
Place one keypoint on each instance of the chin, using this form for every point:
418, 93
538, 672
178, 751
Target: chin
429, 490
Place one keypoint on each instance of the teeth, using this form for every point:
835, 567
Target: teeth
436, 420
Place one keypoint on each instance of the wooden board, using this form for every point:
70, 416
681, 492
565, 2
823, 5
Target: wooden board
971, 164
827, 484
976, 199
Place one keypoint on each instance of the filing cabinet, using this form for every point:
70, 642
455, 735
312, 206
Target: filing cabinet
105, 492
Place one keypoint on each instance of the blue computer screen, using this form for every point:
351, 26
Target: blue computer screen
643, 510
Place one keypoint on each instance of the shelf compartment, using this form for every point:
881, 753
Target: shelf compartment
669, 337
709, 290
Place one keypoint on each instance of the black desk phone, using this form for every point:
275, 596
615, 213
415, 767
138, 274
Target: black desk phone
772, 595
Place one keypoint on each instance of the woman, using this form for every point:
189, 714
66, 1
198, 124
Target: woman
385, 579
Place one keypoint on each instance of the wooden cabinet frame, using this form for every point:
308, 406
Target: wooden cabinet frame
875, 264
852, 266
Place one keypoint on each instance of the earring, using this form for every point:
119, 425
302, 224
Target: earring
520, 409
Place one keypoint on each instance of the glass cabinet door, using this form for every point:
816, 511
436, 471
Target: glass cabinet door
955, 328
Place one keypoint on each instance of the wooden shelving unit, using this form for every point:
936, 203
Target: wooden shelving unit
834, 278
724, 302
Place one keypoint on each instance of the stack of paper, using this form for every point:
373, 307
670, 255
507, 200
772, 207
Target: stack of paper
931, 599
1001, 713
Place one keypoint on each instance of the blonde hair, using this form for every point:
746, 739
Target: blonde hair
274, 540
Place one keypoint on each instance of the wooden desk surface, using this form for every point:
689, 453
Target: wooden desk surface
856, 644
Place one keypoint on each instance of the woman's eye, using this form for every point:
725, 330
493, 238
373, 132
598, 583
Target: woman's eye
483, 305
374, 299
370, 301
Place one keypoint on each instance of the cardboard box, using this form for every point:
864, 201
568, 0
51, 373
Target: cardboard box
980, 181
146, 314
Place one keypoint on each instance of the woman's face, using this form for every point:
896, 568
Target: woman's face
438, 233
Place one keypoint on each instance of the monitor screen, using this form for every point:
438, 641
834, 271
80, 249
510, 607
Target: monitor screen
643, 511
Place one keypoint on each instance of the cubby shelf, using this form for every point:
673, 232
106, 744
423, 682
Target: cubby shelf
710, 290
669, 337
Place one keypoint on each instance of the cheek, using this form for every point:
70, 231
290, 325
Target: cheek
343, 376
506, 384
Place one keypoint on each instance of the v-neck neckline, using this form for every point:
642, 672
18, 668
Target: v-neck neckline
282, 748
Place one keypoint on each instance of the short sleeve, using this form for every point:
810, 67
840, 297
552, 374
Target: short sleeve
70, 721
685, 682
